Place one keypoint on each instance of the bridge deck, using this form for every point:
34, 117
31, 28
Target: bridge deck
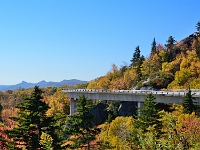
127, 95
131, 95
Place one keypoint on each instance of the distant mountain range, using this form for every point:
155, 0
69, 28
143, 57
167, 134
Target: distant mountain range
41, 84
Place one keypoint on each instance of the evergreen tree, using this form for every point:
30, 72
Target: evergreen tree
197, 42
32, 121
168, 56
148, 115
81, 127
170, 43
136, 56
188, 103
153, 47
138, 69
198, 28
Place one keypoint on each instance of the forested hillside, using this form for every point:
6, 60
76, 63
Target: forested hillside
171, 65
38, 118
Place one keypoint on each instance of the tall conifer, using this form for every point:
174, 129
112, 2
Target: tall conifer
170, 43
32, 121
153, 47
136, 56
188, 104
81, 127
149, 115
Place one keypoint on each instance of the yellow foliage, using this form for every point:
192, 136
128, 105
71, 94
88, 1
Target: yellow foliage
167, 119
118, 132
181, 79
178, 109
146, 67
192, 56
103, 83
58, 103
161, 54
195, 84
151, 65
46, 141
114, 73
184, 64
92, 85
183, 117
120, 127
172, 66
129, 77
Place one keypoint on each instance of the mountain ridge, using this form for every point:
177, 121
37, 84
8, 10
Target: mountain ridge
42, 84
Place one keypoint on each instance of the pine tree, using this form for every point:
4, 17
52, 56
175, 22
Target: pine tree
81, 127
188, 103
149, 115
170, 43
168, 56
32, 121
197, 42
153, 47
138, 69
136, 56
198, 28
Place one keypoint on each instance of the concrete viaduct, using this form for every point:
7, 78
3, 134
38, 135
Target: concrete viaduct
127, 95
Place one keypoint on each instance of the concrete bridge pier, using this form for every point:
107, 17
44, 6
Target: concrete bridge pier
139, 105
73, 106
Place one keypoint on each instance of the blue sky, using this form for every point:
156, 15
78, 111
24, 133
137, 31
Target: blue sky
54, 40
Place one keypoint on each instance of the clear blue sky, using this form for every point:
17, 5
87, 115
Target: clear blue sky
54, 40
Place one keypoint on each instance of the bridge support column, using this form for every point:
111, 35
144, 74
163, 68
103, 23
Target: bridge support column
73, 107
139, 105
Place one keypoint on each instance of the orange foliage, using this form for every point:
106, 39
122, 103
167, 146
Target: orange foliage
189, 125
6, 114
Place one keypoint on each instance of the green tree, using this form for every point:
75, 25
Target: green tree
198, 28
81, 127
32, 121
138, 69
170, 43
197, 42
153, 47
149, 115
136, 56
188, 103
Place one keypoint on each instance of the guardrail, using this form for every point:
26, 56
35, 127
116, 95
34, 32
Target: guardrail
136, 92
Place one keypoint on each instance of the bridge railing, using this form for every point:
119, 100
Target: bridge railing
137, 92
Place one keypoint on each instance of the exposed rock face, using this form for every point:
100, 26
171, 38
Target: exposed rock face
100, 113
127, 108
189, 40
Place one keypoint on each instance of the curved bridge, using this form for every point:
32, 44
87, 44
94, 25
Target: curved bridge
128, 95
